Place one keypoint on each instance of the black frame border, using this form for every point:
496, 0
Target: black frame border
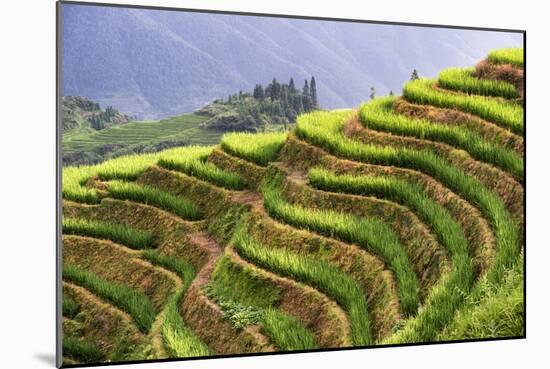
58, 165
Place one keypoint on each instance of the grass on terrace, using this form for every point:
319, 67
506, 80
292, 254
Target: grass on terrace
501, 112
370, 233
134, 302
443, 299
510, 55
118, 233
260, 148
378, 114
324, 129
461, 79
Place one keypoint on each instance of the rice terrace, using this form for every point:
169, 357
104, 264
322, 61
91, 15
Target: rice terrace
397, 221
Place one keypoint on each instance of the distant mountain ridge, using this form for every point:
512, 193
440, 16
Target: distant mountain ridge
154, 64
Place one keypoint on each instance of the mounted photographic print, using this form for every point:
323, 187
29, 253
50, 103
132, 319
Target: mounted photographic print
237, 184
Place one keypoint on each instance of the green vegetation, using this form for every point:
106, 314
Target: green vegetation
83, 351
286, 332
319, 274
247, 299
505, 114
178, 338
238, 314
126, 168
183, 269
510, 55
118, 233
445, 298
378, 115
132, 301
492, 310
462, 79
153, 196
325, 130
259, 148
370, 233
70, 307
205, 171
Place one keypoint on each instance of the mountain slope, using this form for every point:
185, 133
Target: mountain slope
154, 64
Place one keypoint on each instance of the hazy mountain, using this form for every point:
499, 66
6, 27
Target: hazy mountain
152, 64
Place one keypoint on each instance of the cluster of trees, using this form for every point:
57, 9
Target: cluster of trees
102, 119
79, 111
277, 103
291, 99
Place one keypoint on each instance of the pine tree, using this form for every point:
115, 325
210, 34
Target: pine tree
305, 90
258, 92
275, 89
372, 93
313, 92
414, 75
391, 93
291, 86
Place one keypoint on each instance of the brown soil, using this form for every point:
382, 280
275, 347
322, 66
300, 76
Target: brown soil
117, 264
503, 72
251, 172
100, 322
206, 318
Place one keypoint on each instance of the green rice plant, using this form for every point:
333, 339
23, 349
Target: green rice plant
70, 307
491, 310
118, 233
231, 282
505, 114
378, 115
248, 299
319, 274
510, 55
370, 233
134, 302
287, 332
145, 194
260, 148
205, 171
85, 352
462, 79
446, 298
178, 338
325, 129
73, 180
182, 268
126, 168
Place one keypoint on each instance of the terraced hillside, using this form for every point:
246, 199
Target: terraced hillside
400, 221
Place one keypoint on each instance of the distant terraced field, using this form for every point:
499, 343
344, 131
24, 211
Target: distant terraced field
401, 221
